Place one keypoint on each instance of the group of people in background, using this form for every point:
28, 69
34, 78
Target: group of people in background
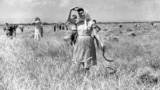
10, 29
60, 27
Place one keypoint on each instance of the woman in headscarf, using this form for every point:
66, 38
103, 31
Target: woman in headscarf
38, 29
84, 51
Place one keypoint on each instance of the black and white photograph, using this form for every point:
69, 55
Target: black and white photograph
79, 44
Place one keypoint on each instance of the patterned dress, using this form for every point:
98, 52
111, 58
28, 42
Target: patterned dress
84, 50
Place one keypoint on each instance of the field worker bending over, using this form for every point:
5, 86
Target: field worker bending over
38, 29
84, 50
10, 30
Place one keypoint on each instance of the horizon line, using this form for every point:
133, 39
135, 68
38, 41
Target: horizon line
99, 22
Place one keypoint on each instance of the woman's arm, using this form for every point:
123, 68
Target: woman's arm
97, 38
70, 19
33, 22
98, 28
69, 16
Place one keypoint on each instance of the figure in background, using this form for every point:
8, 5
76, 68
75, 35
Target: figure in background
96, 30
21, 27
10, 30
95, 26
7, 30
54, 27
14, 27
38, 33
5, 26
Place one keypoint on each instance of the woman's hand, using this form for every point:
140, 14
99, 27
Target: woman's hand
70, 14
75, 8
102, 46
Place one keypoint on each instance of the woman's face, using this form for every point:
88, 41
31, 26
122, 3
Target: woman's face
81, 14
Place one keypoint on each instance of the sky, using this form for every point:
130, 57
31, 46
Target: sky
24, 11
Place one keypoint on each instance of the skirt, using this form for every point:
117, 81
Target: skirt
37, 34
84, 51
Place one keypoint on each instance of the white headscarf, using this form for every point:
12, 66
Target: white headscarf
86, 19
88, 22
87, 16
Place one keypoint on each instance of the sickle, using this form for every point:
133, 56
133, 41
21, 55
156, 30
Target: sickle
103, 54
103, 50
113, 70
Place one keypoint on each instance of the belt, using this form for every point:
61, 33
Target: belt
84, 35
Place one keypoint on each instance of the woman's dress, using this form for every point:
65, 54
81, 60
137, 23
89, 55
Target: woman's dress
84, 49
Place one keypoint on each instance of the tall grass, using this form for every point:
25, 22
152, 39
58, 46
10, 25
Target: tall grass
47, 64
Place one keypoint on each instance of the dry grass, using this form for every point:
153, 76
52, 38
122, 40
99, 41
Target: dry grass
46, 65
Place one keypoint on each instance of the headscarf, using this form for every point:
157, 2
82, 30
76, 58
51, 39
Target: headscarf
87, 19
87, 16
37, 19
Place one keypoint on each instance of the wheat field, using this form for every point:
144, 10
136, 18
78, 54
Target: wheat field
26, 64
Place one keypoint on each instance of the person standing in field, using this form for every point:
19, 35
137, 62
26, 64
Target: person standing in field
21, 27
14, 27
38, 29
7, 30
96, 30
84, 53
73, 27
6, 27
95, 26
